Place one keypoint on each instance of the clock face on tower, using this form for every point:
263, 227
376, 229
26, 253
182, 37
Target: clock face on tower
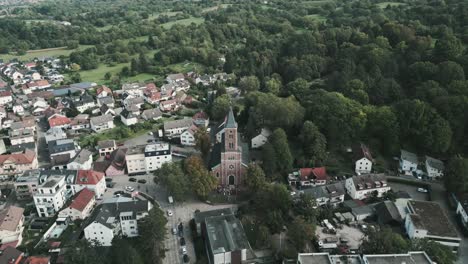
231, 167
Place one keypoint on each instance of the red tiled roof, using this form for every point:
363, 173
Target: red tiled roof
19, 158
37, 260
102, 89
59, 120
42, 83
5, 93
319, 173
151, 86
90, 177
82, 200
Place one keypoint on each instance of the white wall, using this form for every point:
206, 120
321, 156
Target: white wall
98, 232
363, 166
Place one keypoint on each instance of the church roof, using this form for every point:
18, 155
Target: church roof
230, 120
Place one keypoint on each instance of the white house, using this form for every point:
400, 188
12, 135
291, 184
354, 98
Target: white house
128, 118
135, 89
18, 109
408, 162
363, 186
428, 220
173, 78
82, 161
103, 91
434, 167
114, 217
152, 114
102, 123
90, 179
187, 138
332, 194
135, 159
260, 139
177, 127
363, 159
50, 196
142, 159
81, 207
5, 98
18, 137
106, 147
11, 225
55, 133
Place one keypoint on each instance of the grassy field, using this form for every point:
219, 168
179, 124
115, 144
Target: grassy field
392, 4
186, 22
31, 54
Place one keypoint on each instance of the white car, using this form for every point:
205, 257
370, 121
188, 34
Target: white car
169, 213
129, 188
184, 250
174, 231
422, 190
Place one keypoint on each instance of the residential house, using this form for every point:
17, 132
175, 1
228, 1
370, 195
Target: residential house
128, 118
434, 167
12, 164
201, 119
388, 214
173, 78
187, 138
308, 177
80, 122
11, 225
132, 101
429, 220
103, 91
26, 184
408, 162
63, 146
55, 133
18, 109
363, 186
90, 179
113, 164
34, 86
142, 159
21, 136
116, 217
106, 147
51, 194
81, 206
363, 159
135, 89
108, 101
177, 127
84, 102
5, 98
331, 194
102, 123
29, 124
260, 139
82, 161
58, 120
169, 105
152, 114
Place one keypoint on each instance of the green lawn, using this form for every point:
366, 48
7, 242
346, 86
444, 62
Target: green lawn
97, 75
392, 4
167, 13
186, 22
55, 52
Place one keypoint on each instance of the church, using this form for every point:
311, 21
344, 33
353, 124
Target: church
226, 162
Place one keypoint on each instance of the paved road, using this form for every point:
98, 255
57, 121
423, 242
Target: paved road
42, 152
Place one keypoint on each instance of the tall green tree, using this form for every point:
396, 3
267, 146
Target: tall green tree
202, 180
255, 177
313, 142
279, 140
384, 241
220, 107
84, 252
173, 177
202, 141
437, 252
249, 84
152, 234
300, 232
456, 175
122, 252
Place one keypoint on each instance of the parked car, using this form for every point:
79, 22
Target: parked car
132, 179
186, 258
169, 213
182, 241
422, 190
129, 188
142, 181
149, 140
174, 231
108, 179
184, 250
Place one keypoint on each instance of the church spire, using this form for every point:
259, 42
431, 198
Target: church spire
230, 120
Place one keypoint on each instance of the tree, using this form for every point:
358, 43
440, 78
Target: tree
273, 85
107, 76
121, 252
202, 180
202, 141
456, 175
313, 142
249, 84
306, 207
151, 42
384, 241
382, 125
299, 88
220, 107
279, 140
75, 77
84, 252
269, 161
75, 67
300, 232
152, 234
448, 47
438, 253
450, 71
254, 177
172, 176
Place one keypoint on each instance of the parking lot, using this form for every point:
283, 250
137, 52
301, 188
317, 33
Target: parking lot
411, 190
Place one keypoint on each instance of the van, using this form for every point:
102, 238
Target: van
170, 199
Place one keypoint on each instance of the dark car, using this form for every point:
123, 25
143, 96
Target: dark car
149, 140
182, 241
142, 181
119, 193
132, 179
186, 258
108, 179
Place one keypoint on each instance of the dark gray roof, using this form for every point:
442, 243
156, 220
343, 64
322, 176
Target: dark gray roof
215, 157
61, 145
82, 156
387, 212
106, 100
59, 160
83, 85
9, 254
362, 210
126, 114
230, 120
106, 143
22, 147
97, 120
152, 113
431, 217
435, 163
225, 234
408, 156
185, 122
201, 216
329, 191
109, 211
